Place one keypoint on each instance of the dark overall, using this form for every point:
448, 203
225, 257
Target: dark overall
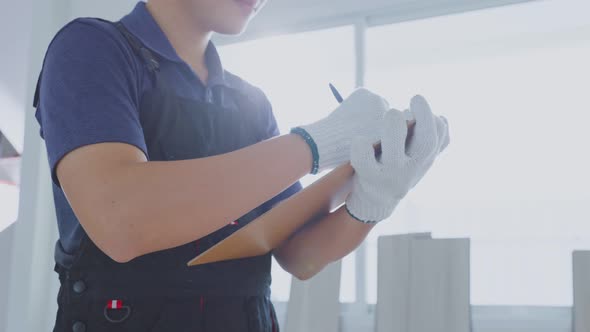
157, 291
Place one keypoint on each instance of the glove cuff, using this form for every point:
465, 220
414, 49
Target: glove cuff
333, 147
368, 213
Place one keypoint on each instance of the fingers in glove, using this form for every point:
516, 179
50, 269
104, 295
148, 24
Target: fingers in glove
447, 139
362, 154
364, 99
393, 137
425, 140
442, 131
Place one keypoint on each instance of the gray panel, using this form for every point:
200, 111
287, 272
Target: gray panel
393, 282
6, 148
521, 319
439, 286
6, 239
423, 284
314, 305
581, 314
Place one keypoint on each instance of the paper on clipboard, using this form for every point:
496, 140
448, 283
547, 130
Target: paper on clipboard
269, 230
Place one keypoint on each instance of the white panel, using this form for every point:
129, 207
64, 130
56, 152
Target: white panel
314, 304
439, 286
419, 277
393, 281
581, 291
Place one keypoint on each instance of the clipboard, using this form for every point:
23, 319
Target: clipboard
268, 231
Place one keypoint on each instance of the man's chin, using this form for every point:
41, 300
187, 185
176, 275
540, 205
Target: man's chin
235, 25
232, 31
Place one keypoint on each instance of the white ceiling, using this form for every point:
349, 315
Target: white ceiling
295, 15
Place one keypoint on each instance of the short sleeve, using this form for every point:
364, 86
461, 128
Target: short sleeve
273, 130
88, 92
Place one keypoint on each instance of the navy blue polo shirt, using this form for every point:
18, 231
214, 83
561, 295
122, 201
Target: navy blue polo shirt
90, 91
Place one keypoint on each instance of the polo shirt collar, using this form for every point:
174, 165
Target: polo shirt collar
142, 25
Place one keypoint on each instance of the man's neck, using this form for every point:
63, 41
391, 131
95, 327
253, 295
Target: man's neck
188, 39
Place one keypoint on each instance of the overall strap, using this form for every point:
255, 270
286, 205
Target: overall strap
37, 88
148, 57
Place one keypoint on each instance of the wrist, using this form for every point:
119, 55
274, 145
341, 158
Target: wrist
312, 147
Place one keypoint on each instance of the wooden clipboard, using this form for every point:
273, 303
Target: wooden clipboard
268, 231
271, 229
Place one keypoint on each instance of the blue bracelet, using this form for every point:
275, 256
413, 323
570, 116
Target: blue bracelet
314, 148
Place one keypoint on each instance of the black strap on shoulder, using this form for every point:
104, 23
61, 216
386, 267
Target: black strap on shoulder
36, 98
147, 56
150, 60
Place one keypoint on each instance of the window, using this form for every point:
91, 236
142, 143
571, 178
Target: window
513, 82
299, 94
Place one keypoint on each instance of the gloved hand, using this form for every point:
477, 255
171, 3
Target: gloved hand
330, 138
379, 183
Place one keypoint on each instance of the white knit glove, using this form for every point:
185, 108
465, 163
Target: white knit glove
330, 138
379, 183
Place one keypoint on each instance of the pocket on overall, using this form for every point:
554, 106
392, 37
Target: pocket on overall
117, 315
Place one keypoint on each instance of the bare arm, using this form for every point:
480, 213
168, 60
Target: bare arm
130, 207
326, 240
321, 243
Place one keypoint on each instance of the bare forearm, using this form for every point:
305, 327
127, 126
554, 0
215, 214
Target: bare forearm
151, 206
321, 243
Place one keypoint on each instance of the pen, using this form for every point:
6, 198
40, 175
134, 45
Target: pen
336, 93
411, 122
340, 99
409, 117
